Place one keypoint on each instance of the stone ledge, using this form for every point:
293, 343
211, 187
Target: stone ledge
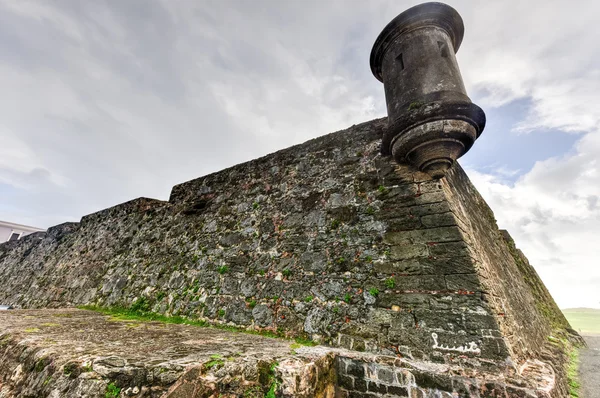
77, 353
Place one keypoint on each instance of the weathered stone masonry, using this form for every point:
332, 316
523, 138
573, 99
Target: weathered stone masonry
301, 234
327, 239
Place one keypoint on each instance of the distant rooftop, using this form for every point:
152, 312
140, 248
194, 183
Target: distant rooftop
10, 231
24, 228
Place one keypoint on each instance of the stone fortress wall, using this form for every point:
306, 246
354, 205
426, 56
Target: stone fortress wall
327, 239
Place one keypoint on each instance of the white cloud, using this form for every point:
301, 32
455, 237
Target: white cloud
553, 213
102, 102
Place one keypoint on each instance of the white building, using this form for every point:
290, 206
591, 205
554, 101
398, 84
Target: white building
12, 231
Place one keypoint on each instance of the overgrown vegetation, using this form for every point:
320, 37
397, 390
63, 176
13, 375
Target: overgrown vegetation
216, 361
572, 373
141, 305
69, 369
274, 383
222, 269
112, 391
543, 301
415, 105
565, 344
390, 283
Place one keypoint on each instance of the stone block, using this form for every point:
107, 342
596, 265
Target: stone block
408, 267
406, 251
356, 394
428, 319
397, 391
386, 375
427, 266
417, 393
401, 191
408, 222
468, 282
494, 347
432, 235
263, 316
379, 388
389, 211
356, 369
417, 199
457, 302
345, 381
430, 208
450, 249
420, 283
438, 220
405, 301
417, 339
434, 381
380, 316
404, 377
361, 384
478, 322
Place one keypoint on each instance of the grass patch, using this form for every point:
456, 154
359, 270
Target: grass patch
572, 373
131, 314
112, 391
216, 361
415, 105
128, 314
141, 305
222, 269
272, 393
390, 283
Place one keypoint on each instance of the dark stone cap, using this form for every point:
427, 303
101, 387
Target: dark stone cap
426, 14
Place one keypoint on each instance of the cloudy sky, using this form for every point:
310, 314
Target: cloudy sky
105, 101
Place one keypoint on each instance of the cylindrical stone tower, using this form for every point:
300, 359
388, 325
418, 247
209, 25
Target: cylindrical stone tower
431, 120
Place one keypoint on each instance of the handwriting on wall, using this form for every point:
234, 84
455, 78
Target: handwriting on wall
471, 347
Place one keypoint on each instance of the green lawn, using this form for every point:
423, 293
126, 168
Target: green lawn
584, 320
